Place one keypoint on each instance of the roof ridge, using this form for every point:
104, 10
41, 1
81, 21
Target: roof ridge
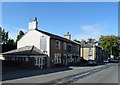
50, 34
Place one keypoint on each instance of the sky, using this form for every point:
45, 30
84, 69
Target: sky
82, 19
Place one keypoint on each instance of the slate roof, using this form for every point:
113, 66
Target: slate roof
57, 37
27, 50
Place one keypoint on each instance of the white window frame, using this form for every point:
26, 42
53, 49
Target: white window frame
70, 58
36, 61
43, 61
90, 50
90, 57
39, 61
65, 45
57, 44
26, 59
57, 58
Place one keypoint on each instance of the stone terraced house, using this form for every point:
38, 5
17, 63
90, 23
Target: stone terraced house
58, 51
90, 51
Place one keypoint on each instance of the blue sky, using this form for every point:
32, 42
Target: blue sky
82, 19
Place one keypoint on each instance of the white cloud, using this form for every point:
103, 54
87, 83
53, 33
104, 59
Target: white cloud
90, 31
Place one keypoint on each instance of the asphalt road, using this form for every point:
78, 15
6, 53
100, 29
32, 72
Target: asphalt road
107, 73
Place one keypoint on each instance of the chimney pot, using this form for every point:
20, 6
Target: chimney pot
68, 36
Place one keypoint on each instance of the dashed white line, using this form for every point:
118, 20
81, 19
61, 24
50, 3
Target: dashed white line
86, 73
82, 74
79, 75
60, 82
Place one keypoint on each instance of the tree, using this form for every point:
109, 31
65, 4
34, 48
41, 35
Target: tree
7, 44
11, 42
4, 36
110, 43
10, 45
21, 33
92, 41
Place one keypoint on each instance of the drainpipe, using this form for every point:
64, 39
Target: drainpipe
41, 62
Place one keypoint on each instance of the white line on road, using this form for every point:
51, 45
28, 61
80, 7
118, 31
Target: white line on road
82, 74
79, 75
86, 73
60, 82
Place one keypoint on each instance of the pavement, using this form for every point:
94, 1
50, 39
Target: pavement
107, 73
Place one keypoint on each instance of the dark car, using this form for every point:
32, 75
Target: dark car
91, 62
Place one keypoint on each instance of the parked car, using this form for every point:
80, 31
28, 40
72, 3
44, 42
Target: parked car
105, 61
91, 62
118, 58
111, 60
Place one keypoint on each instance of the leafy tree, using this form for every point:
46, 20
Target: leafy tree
7, 44
21, 33
92, 41
4, 36
10, 45
11, 42
110, 43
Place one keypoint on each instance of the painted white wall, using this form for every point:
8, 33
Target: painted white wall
1, 57
33, 25
33, 38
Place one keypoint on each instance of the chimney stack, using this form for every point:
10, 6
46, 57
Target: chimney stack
68, 36
91, 41
33, 25
83, 42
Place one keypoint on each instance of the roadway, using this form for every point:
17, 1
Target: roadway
107, 73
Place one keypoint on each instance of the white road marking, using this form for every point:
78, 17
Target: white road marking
96, 69
60, 82
79, 75
86, 73
82, 74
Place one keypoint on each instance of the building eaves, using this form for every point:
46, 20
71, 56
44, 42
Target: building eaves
27, 50
57, 37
